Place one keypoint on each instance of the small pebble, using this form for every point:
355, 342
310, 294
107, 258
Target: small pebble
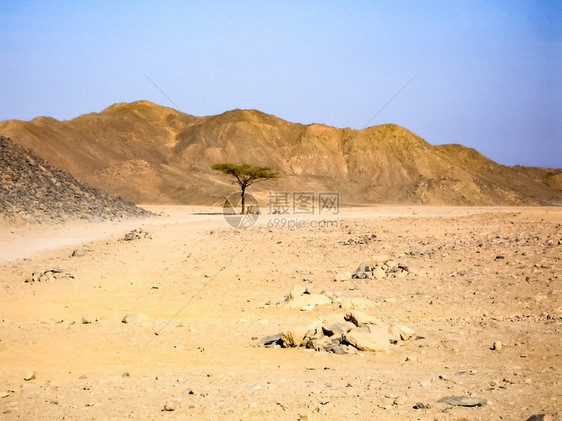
29, 376
170, 406
497, 346
399, 400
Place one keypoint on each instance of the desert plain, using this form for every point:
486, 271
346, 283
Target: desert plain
205, 293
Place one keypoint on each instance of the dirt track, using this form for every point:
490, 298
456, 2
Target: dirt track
459, 296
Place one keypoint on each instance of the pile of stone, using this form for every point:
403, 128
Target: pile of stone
380, 267
33, 190
308, 298
136, 234
49, 275
342, 333
362, 239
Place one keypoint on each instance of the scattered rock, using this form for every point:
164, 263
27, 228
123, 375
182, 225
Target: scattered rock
136, 234
399, 400
294, 337
125, 374
366, 341
379, 267
30, 376
337, 329
421, 405
378, 272
188, 391
497, 346
271, 341
463, 401
336, 347
78, 253
362, 239
334, 318
403, 332
49, 275
540, 417
134, 318
309, 300
297, 291
88, 319
358, 318
340, 333
383, 332
32, 190
170, 406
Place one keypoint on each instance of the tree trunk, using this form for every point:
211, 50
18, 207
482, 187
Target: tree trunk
243, 201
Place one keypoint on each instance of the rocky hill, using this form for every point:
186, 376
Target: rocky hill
33, 190
153, 154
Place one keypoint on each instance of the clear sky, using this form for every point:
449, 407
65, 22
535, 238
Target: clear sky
489, 73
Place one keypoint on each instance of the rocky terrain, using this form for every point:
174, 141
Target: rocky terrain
365, 312
33, 190
166, 318
148, 153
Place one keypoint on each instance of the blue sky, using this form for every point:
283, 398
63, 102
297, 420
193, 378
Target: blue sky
488, 73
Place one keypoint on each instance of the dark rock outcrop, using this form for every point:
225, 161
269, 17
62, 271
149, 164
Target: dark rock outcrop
33, 190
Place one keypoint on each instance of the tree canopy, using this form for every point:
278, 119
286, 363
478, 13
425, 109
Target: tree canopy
245, 175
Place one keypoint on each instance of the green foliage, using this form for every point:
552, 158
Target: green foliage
246, 174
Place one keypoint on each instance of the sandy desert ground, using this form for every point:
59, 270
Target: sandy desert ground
476, 276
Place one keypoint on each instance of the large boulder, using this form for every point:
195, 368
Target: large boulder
358, 318
270, 341
334, 318
383, 332
337, 329
401, 331
297, 291
366, 341
295, 336
364, 271
362, 303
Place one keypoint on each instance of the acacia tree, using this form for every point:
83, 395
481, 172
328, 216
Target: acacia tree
245, 175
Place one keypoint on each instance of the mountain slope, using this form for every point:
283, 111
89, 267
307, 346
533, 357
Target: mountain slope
33, 190
154, 154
